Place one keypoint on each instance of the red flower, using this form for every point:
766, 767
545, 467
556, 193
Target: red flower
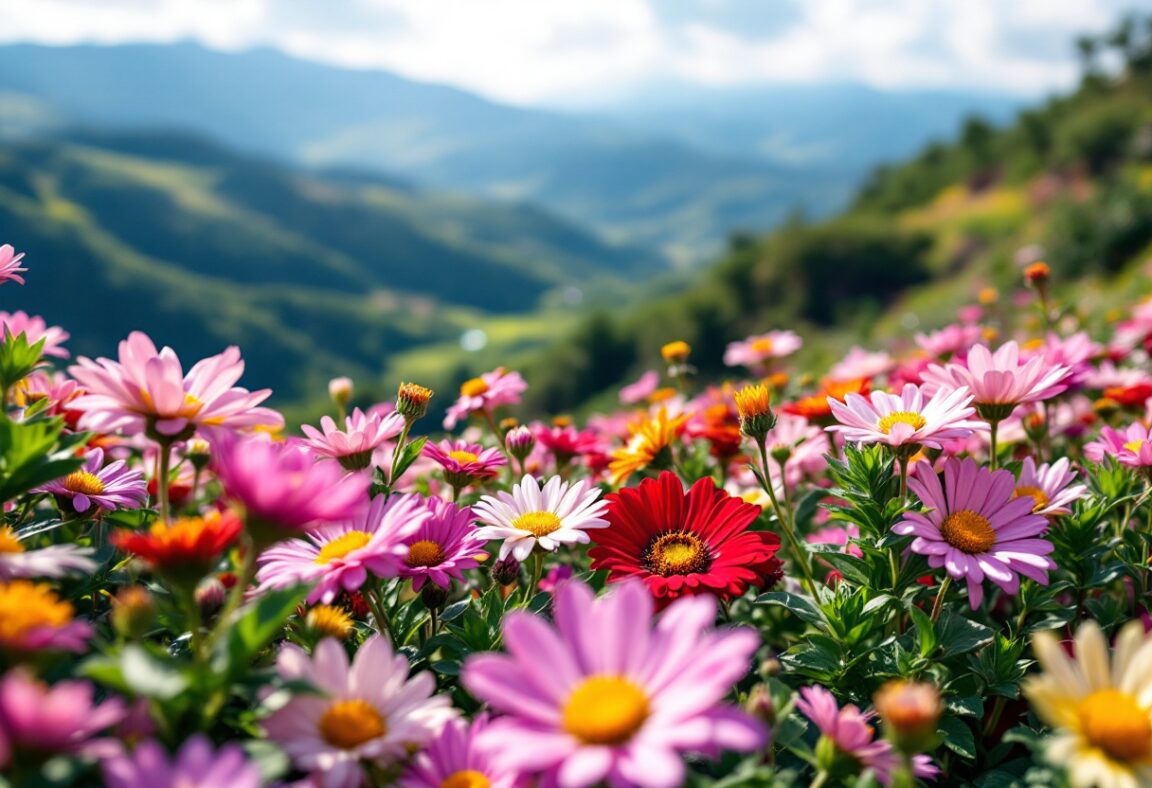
684, 544
186, 549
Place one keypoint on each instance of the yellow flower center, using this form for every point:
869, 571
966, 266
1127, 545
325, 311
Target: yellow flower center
329, 621
1035, 493
537, 523
915, 420
968, 531
349, 723
605, 710
676, 553
189, 408
26, 606
1115, 722
342, 546
1134, 446
473, 388
425, 553
469, 778
83, 483
763, 345
463, 456
9, 543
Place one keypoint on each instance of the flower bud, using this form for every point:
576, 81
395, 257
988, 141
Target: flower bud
327, 621
910, 711
753, 404
520, 441
675, 353
1037, 274
412, 401
198, 452
434, 596
340, 390
760, 705
506, 571
133, 612
210, 596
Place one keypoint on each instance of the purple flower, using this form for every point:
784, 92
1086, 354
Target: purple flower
443, 546
453, 759
196, 765
114, 486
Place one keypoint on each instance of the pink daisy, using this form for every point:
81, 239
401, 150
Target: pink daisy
342, 556
999, 381
860, 363
953, 339
62, 718
147, 391
362, 434
442, 547
566, 442
485, 394
454, 760
1132, 447
197, 763
1049, 485
605, 695
113, 486
908, 419
368, 711
641, 389
34, 329
975, 528
755, 351
10, 269
851, 732
464, 462
548, 515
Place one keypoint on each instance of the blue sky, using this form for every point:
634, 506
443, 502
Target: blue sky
589, 52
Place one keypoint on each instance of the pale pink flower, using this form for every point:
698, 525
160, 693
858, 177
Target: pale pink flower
999, 381
10, 269
1049, 485
860, 363
641, 389
34, 328
455, 760
755, 351
362, 434
907, 419
59, 719
485, 394
196, 765
953, 339
1132, 447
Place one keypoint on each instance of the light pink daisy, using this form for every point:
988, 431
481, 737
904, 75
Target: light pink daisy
641, 389
147, 391
999, 381
454, 760
464, 462
34, 328
556, 513
485, 393
755, 351
1076, 352
953, 339
1132, 447
52, 561
975, 528
860, 363
908, 419
10, 269
58, 719
605, 695
197, 765
342, 556
109, 487
362, 434
442, 547
54, 389
282, 488
1049, 485
367, 711
851, 732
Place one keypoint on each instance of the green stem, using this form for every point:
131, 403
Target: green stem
376, 604
537, 573
939, 604
794, 547
194, 623
497, 434
163, 461
902, 459
994, 717
236, 595
396, 452
994, 459
821, 778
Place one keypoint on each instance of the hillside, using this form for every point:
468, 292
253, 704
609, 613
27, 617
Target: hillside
1069, 181
313, 273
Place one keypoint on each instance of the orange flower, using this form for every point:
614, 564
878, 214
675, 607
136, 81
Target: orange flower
186, 549
649, 439
816, 409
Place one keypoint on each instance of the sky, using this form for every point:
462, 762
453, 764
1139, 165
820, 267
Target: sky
596, 52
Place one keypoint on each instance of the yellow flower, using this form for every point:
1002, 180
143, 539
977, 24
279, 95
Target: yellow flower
650, 437
676, 352
1101, 708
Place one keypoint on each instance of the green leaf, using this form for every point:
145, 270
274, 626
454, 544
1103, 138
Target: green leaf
257, 624
137, 671
409, 455
959, 635
925, 630
18, 359
958, 737
801, 606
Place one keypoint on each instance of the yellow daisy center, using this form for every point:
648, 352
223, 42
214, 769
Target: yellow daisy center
9, 543
676, 553
425, 553
915, 420
349, 723
469, 778
1035, 493
537, 523
1134, 446
968, 531
1114, 722
26, 606
605, 710
342, 546
463, 456
763, 345
329, 621
473, 388
83, 483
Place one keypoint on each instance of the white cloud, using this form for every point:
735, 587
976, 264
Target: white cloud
550, 50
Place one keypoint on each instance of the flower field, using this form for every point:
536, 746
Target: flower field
925, 564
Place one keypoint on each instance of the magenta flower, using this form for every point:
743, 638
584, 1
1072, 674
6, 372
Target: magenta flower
905, 419
34, 329
197, 763
485, 394
850, 731
1049, 485
465, 462
362, 434
114, 486
10, 269
1000, 381
606, 696
566, 442
42, 720
975, 528
368, 711
454, 760
755, 351
442, 547
342, 556
1132, 447
147, 392
281, 487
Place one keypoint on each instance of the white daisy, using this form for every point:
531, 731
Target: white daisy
559, 513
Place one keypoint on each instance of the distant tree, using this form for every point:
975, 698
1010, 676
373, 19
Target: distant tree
1087, 47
